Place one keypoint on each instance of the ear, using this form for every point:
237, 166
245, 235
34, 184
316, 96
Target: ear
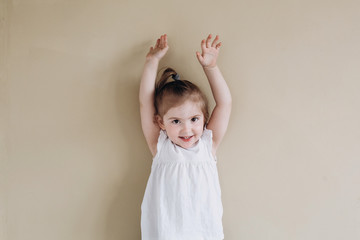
160, 122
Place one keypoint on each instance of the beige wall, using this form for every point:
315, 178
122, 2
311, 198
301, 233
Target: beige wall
74, 163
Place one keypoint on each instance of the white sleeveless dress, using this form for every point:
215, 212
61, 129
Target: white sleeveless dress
182, 200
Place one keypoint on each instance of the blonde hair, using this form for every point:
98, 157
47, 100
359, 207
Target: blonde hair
169, 94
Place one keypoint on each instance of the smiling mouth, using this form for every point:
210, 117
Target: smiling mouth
186, 139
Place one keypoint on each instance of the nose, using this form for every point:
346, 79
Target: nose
186, 128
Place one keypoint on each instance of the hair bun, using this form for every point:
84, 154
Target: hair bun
175, 77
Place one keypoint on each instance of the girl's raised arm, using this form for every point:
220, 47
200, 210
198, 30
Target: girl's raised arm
221, 114
150, 128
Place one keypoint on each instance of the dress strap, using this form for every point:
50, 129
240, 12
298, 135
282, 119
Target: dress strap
207, 137
161, 140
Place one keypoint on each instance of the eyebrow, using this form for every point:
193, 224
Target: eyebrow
197, 115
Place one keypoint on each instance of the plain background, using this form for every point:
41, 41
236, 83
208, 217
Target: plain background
74, 162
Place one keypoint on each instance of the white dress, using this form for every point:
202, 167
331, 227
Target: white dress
182, 200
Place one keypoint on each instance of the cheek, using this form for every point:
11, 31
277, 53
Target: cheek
171, 128
199, 126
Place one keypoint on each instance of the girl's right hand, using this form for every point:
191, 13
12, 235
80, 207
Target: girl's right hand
159, 50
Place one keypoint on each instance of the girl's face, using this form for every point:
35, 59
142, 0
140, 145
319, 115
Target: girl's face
184, 124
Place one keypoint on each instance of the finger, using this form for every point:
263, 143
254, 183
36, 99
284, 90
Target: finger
157, 43
162, 41
199, 57
218, 45
165, 40
215, 41
203, 47
208, 41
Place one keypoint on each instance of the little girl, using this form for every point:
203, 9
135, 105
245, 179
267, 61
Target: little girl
182, 199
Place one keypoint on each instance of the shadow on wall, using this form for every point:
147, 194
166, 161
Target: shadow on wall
123, 219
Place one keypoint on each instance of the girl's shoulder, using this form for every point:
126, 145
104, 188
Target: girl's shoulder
207, 138
161, 140
207, 135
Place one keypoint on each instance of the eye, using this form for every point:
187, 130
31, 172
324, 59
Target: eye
194, 119
175, 121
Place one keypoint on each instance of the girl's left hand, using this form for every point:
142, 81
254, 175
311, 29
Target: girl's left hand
159, 50
210, 52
